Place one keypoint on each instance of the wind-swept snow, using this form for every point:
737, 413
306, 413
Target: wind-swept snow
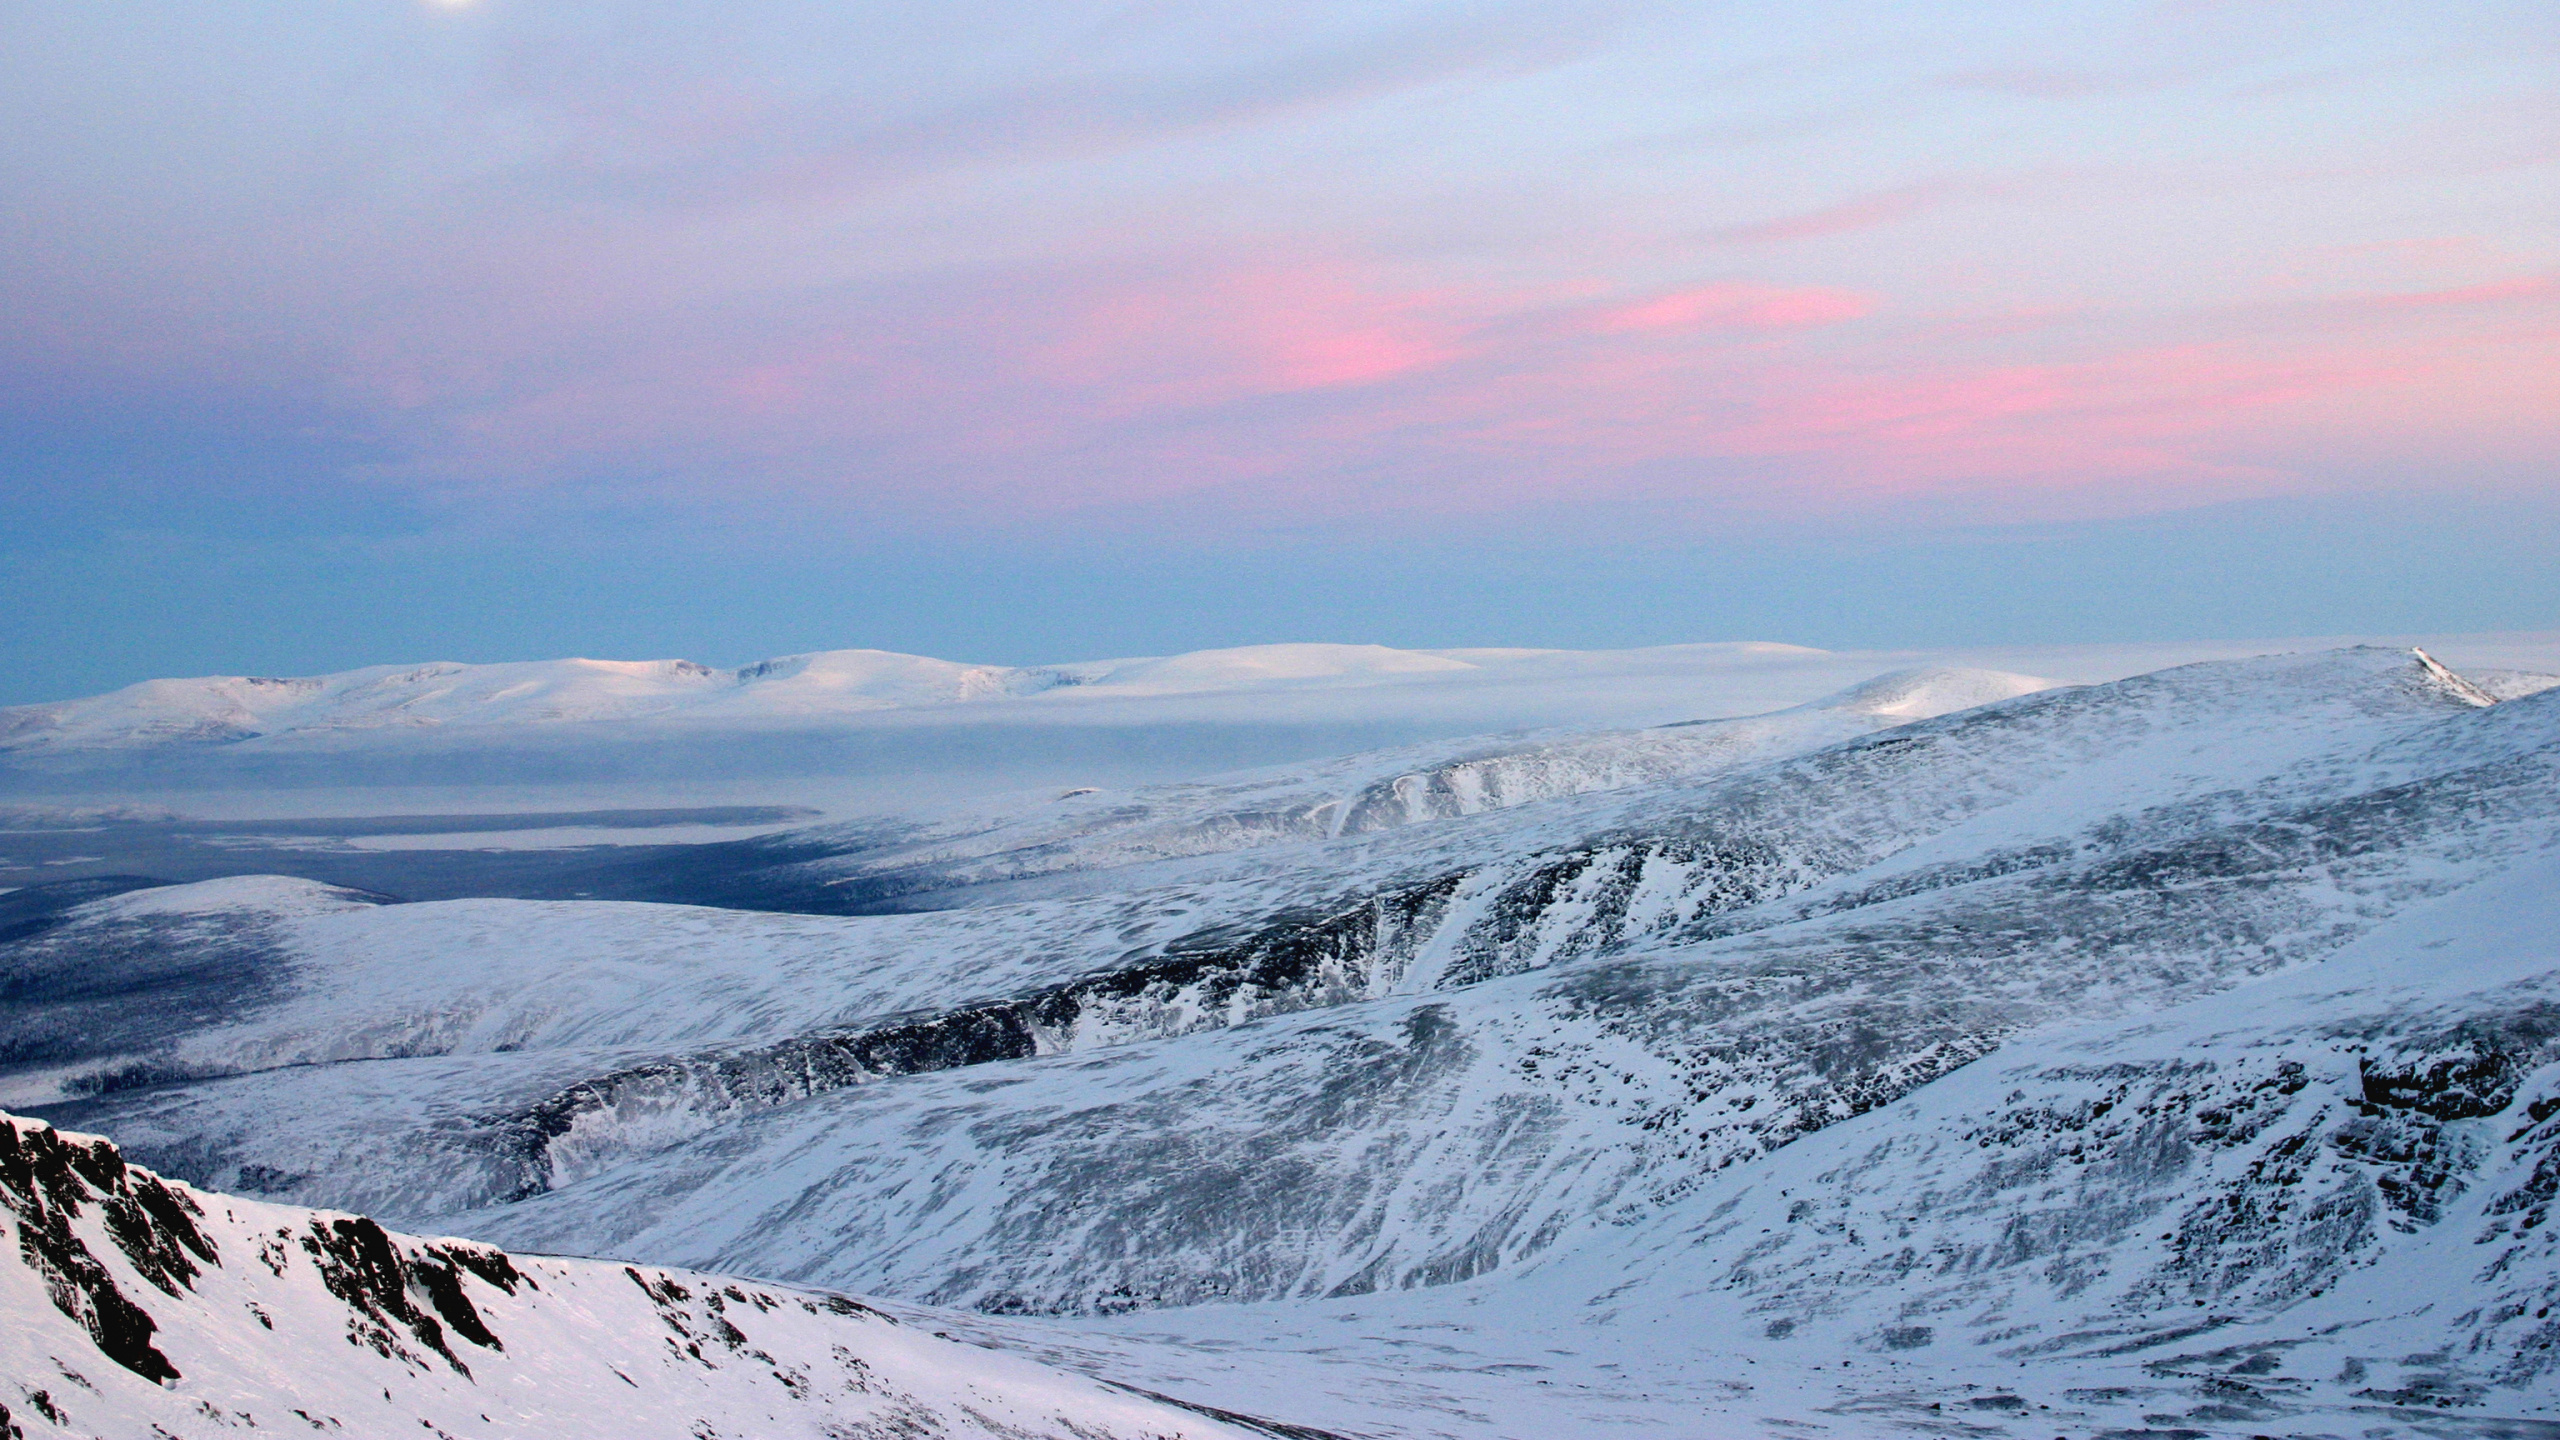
2319, 1204
1931, 691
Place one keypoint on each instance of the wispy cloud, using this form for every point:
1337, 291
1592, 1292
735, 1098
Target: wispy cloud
2488, 292
1864, 212
2060, 84
1274, 264
1735, 305
636, 119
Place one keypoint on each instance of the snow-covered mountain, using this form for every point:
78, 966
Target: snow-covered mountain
2161, 1050
864, 732
2315, 1205
227, 709
922, 859
132, 1305
1629, 686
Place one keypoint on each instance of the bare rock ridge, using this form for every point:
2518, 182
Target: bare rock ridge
138, 1305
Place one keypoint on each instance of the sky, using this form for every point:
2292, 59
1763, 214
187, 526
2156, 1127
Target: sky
372, 331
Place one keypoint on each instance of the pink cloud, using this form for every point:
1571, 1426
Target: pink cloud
1031, 391
1320, 358
1176, 340
1285, 330
1770, 428
1736, 306
1299, 387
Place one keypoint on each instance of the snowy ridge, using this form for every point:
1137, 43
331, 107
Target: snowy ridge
226, 709
875, 734
1359, 794
382, 703
230, 708
133, 1305
2319, 1205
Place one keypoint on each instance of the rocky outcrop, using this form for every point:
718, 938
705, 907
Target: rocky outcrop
211, 1311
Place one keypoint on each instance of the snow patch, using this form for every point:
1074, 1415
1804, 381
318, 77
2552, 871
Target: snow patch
1263, 664
1930, 691
278, 897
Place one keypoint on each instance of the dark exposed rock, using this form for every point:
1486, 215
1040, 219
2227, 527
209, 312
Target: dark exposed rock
47, 1180
363, 1267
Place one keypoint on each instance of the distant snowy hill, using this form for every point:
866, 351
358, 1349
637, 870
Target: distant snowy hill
865, 719
132, 1306
227, 709
922, 857
866, 722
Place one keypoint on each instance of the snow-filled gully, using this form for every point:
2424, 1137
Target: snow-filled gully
1450, 931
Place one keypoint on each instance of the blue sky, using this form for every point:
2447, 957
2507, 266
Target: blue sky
358, 332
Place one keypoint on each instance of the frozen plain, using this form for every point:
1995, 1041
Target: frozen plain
1444, 1091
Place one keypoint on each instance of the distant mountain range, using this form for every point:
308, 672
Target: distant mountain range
227, 709
927, 727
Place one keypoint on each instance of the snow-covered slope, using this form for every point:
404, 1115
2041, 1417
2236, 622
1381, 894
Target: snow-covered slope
134, 1306
375, 982
1551, 1054
2316, 1205
919, 860
2331, 1185
1927, 891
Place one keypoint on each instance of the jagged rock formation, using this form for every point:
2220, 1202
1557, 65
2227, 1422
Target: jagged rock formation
131, 1305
